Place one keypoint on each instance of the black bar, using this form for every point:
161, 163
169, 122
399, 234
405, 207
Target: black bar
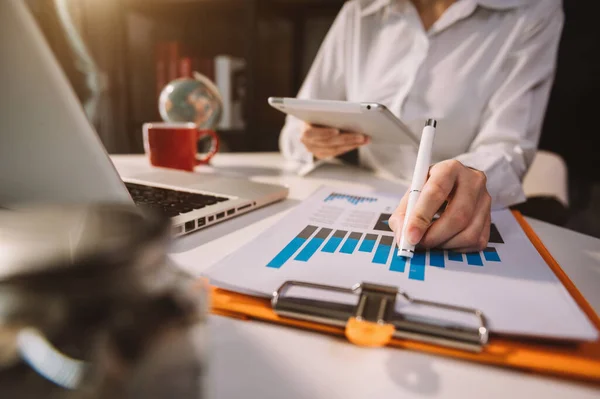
387, 240
382, 224
495, 237
355, 235
340, 233
323, 233
307, 232
490, 249
372, 237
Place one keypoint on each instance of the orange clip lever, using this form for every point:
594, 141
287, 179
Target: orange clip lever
368, 333
369, 325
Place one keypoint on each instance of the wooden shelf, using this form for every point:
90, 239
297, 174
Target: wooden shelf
306, 7
250, 19
167, 8
150, 6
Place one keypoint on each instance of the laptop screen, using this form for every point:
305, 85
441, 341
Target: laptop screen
49, 152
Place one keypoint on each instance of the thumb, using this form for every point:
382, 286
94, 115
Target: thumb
396, 221
416, 227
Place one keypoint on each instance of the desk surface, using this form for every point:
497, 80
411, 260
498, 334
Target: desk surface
256, 360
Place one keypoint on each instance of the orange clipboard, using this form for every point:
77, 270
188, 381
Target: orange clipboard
569, 360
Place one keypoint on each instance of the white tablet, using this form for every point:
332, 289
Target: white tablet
372, 119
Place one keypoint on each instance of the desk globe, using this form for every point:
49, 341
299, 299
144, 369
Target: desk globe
194, 100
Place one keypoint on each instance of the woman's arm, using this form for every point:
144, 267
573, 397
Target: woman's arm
503, 149
512, 121
325, 80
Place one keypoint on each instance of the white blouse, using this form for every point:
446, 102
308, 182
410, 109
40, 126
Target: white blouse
484, 70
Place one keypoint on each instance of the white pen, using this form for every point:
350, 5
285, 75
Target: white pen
418, 181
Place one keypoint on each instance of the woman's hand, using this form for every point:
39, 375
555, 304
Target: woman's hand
325, 142
464, 225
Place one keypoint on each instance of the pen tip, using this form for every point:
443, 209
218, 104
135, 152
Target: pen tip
431, 122
405, 253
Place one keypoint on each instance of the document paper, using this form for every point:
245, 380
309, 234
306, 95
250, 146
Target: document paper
342, 238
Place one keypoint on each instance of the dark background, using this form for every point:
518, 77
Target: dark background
278, 39
570, 126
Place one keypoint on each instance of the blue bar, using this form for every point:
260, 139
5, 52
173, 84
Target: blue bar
368, 243
335, 241
491, 254
383, 250
436, 258
474, 259
286, 253
289, 250
417, 267
351, 243
349, 246
309, 249
313, 245
398, 263
457, 256
332, 245
354, 200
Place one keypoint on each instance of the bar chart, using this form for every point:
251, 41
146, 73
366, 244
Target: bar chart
290, 249
342, 240
377, 249
383, 225
352, 199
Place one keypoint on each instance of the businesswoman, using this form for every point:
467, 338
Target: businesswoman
482, 68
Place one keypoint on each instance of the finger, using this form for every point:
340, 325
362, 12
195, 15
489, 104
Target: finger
314, 132
485, 236
396, 221
442, 178
336, 141
472, 237
461, 210
322, 153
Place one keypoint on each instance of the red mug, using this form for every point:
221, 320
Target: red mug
174, 145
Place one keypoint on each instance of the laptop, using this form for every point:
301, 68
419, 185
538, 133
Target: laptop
49, 152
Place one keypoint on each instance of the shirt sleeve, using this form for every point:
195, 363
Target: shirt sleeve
325, 81
512, 121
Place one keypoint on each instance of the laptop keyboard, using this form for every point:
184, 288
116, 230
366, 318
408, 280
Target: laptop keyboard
170, 202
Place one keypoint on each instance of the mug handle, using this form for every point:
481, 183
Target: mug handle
214, 148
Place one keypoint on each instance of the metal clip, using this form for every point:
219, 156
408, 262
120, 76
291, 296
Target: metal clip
377, 304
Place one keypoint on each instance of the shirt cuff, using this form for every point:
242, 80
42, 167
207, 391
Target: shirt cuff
298, 153
503, 184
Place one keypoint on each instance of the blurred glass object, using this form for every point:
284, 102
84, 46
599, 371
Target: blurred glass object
194, 100
96, 80
91, 307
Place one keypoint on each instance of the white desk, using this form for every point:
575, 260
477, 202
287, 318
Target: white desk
255, 360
